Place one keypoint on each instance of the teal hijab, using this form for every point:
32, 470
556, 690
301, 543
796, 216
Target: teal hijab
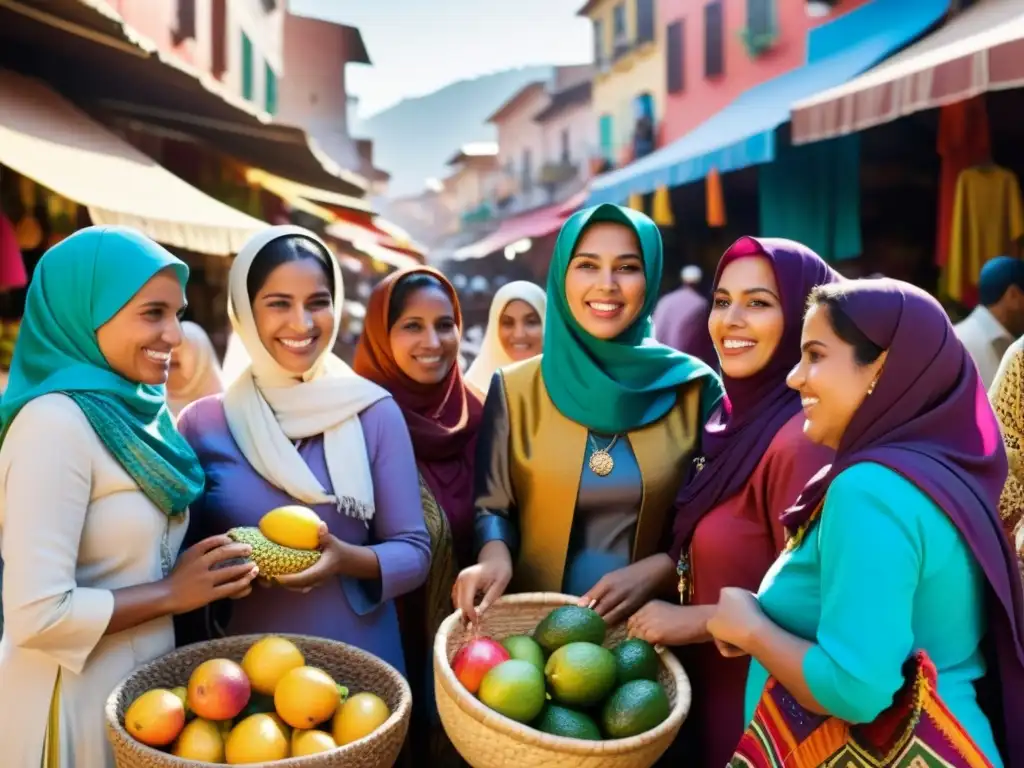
618, 385
78, 285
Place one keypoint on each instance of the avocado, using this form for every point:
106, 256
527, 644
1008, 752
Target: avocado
526, 649
580, 674
561, 721
634, 708
569, 624
635, 659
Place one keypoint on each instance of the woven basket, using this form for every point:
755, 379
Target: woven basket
358, 670
489, 740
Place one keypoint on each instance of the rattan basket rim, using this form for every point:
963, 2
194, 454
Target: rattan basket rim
401, 712
475, 709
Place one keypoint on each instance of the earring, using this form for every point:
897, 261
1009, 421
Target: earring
871, 387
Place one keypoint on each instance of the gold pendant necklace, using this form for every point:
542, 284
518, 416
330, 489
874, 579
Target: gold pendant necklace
601, 462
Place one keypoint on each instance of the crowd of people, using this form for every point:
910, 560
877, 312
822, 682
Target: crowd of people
825, 512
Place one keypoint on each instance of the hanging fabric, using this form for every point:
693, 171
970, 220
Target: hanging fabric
661, 208
714, 199
636, 202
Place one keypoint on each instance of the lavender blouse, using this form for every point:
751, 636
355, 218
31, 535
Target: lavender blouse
361, 613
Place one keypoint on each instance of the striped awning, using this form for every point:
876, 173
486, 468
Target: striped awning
979, 50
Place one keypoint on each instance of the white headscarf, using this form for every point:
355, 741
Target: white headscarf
492, 352
205, 379
267, 407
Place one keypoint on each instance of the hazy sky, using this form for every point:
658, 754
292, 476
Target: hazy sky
418, 46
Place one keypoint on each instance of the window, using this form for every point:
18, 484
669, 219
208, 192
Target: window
620, 37
644, 21
248, 64
270, 89
185, 23
760, 17
218, 38
714, 42
566, 147
527, 183
675, 53
600, 56
607, 138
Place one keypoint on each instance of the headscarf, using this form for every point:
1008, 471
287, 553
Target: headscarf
236, 359
78, 286
197, 351
622, 384
492, 352
443, 418
756, 407
928, 419
268, 407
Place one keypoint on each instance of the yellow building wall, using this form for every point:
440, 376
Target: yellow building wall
618, 83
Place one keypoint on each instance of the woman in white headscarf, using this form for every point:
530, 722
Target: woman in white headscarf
299, 426
515, 331
195, 372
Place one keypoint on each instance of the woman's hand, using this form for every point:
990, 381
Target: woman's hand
736, 621
619, 593
489, 577
196, 581
661, 623
333, 552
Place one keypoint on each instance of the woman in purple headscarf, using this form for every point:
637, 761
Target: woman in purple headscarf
755, 460
898, 546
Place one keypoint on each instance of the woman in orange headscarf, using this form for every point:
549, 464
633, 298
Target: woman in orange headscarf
410, 346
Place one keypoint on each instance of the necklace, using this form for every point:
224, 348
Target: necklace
601, 462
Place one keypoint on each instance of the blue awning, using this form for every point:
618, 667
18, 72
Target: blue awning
743, 133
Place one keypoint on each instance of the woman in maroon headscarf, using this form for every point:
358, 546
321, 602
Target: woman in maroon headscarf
410, 346
755, 459
897, 548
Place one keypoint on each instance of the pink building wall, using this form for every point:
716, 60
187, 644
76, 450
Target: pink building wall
581, 124
518, 133
702, 97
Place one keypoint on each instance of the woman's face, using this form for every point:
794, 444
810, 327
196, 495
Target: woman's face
183, 366
294, 314
520, 330
746, 320
425, 339
138, 341
832, 385
605, 286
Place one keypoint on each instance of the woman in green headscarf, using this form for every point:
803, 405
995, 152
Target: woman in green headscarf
582, 450
95, 484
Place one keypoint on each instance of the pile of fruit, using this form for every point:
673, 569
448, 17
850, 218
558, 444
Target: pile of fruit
270, 707
563, 681
285, 542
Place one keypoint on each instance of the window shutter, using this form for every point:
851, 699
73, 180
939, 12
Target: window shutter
644, 21
714, 42
675, 53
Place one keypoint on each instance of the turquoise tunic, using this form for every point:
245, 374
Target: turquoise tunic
882, 574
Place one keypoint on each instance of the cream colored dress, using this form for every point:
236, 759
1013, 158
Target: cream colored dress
73, 527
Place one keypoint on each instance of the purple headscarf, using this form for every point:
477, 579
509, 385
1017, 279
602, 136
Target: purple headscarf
740, 431
929, 419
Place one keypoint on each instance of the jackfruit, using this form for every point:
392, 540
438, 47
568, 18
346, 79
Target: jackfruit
273, 559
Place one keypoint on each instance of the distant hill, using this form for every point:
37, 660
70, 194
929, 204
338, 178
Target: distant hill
415, 138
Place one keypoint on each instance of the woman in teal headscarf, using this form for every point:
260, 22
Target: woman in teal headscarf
95, 484
582, 450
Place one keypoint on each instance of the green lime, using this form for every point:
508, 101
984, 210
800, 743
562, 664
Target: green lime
524, 648
635, 659
561, 721
569, 624
580, 674
634, 708
515, 689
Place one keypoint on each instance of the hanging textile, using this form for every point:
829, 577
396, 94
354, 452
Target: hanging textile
963, 141
988, 220
811, 194
714, 199
12, 265
661, 208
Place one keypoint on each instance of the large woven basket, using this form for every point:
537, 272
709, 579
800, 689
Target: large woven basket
350, 666
486, 739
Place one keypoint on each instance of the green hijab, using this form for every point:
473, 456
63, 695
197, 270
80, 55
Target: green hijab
78, 285
628, 382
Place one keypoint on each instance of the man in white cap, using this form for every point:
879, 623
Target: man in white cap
681, 318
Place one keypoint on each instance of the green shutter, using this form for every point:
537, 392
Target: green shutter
607, 138
247, 67
270, 78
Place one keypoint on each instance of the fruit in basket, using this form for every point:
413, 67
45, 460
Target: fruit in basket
580, 674
562, 721
182, 693
218, 689
267, 661
256, 739
634, 708
306, 697
259, 704
569, 624
292, 526
156, 718
475, 659
360, 715
273, 559
201, 740
306, 743
524, 648
515, 689
635, 659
